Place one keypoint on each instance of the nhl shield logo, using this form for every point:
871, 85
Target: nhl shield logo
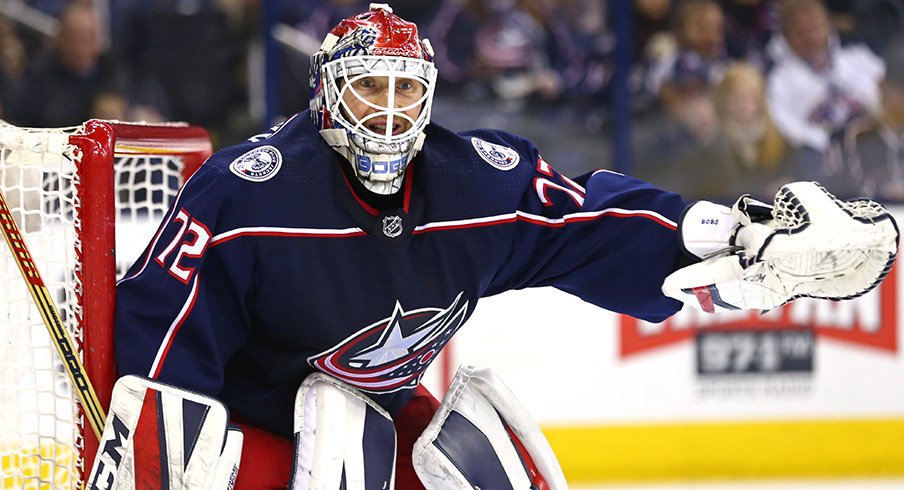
392, 226
257, 165
501, 157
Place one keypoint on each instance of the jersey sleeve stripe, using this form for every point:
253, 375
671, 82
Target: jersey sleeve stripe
545, 221
173, 330
285, 232
448, 225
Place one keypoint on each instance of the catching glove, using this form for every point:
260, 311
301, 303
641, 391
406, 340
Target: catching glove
807, 244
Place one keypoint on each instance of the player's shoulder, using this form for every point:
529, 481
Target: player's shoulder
272, 155
481, 172
491, 150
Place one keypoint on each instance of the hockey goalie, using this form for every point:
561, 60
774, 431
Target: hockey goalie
275, 331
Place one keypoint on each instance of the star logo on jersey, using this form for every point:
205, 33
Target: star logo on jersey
393, 353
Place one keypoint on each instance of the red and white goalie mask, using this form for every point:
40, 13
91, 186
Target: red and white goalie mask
372, 84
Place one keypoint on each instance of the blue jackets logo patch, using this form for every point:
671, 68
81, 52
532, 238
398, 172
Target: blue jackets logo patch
393, 353
501, 157
257, 165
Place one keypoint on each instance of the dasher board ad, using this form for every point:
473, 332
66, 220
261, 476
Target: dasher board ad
570, 362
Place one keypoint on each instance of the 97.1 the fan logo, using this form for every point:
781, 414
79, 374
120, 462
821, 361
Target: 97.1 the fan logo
754, 351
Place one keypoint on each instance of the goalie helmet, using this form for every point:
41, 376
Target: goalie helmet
380, 143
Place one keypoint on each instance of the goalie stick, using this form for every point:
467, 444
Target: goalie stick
50, 314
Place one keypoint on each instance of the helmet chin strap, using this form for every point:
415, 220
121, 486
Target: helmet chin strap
338, 140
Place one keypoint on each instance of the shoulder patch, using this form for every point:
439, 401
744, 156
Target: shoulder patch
257, 165
501, 157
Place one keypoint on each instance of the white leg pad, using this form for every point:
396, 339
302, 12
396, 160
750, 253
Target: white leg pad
160, 436
482, 437
343, 439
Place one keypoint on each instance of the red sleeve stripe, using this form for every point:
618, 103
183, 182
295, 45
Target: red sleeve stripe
286, 232
548, 222
449, 225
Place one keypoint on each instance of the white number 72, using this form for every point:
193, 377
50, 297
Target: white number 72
192, 246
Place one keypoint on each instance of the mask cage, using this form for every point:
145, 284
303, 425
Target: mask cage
339, 77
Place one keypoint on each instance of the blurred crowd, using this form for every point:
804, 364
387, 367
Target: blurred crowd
726, 96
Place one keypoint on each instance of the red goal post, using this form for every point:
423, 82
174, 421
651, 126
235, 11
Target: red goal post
87, 200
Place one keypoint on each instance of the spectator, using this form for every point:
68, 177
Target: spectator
188, 60
740, 101
73, 79
749, 26
817, 90
699, 61
878, 146
513, 51
747, 153
651, 40
12, 59
587, 21
650, 23
521, 66
683, 120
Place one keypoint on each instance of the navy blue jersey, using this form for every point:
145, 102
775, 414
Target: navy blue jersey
269, 266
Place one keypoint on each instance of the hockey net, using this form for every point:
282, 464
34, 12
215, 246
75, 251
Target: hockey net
77, 195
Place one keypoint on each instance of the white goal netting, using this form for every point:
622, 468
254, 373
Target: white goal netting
41, 428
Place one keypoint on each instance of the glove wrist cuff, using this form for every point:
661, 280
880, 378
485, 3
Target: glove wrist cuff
705, 229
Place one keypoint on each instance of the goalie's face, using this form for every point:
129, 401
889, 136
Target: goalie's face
382, 103
382, 107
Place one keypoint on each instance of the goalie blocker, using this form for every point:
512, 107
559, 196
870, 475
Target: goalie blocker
806, 244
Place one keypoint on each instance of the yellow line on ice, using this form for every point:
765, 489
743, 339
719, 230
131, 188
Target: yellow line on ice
692, 451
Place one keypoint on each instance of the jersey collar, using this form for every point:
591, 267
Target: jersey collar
391, 218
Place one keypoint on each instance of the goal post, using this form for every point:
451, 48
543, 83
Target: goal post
87, 200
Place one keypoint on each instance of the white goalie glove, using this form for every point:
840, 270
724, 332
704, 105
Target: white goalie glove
807, 244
